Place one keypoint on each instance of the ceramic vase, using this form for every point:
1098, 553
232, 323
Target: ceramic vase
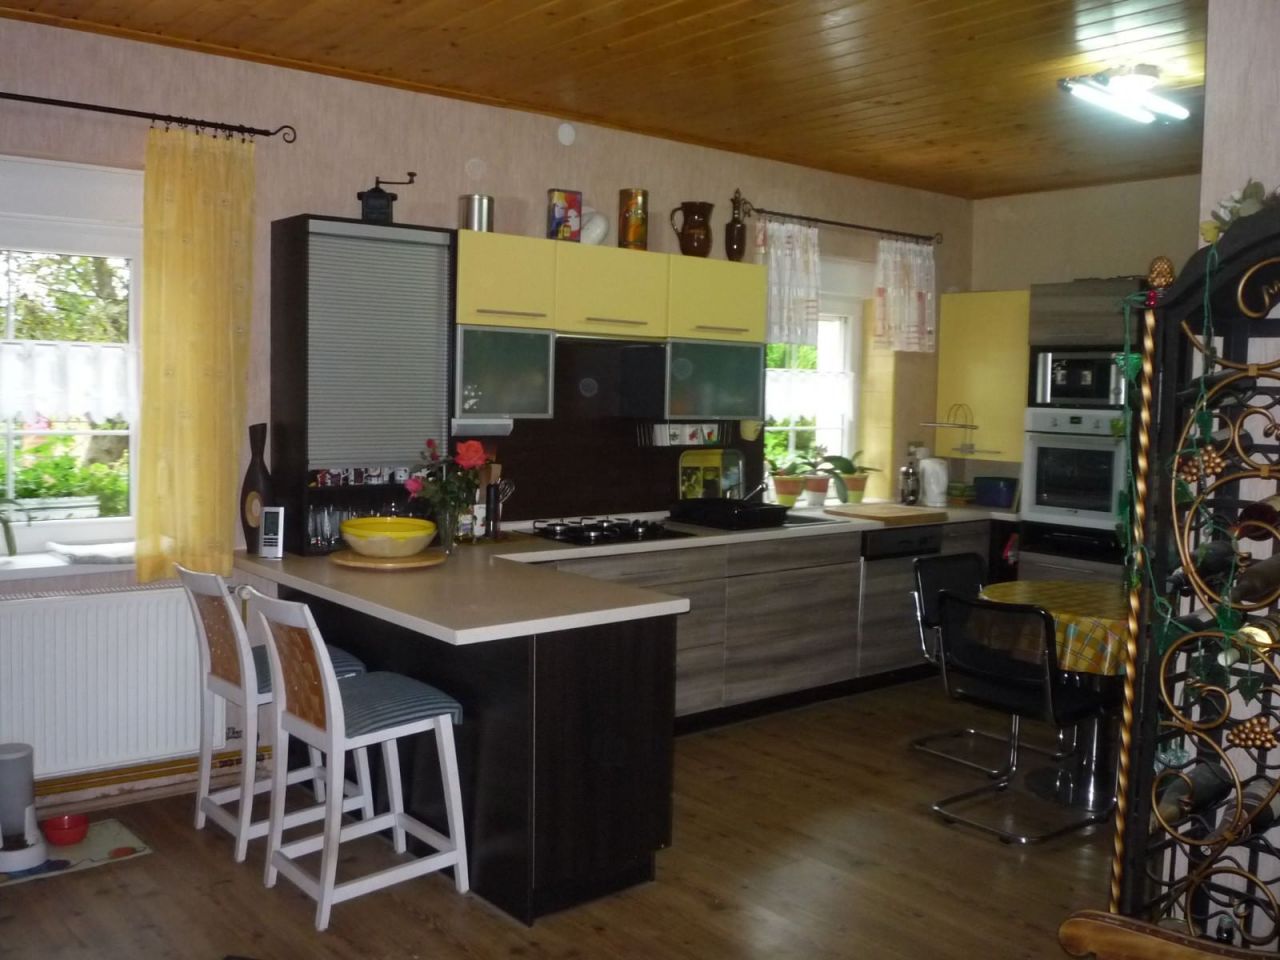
694, 231
255, 492
815, 489
856, 485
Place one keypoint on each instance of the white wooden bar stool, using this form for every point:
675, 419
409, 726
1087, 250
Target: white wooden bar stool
240, 674
338, 716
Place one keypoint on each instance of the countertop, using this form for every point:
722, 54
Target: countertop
480, 594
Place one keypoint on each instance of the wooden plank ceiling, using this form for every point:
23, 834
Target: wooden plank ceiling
956, 96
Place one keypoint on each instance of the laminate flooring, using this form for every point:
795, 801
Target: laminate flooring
805, 834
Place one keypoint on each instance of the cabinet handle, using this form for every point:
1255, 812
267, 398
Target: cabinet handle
712, 326
509, 313
628, 323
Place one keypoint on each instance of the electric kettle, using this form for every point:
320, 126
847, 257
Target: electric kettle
933, 481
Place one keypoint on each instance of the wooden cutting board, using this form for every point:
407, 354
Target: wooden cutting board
890, 514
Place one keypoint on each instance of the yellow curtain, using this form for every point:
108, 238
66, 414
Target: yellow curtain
197, 286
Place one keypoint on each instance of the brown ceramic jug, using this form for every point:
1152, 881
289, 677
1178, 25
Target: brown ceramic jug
695, 227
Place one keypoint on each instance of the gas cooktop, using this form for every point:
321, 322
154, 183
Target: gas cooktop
588, 531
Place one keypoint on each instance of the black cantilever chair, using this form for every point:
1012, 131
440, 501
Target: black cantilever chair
1004, 656
961, 574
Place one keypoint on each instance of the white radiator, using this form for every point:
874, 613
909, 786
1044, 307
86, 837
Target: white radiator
97, 680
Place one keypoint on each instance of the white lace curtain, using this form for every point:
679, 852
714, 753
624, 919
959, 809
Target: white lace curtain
799, 393
790, 251
905, 307
60, 381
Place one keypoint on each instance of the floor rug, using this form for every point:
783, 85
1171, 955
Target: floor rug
108, 841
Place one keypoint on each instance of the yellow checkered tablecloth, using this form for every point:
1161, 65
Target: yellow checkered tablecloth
1091, 619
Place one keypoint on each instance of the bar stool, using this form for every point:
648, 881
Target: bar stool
240, 674
335, 717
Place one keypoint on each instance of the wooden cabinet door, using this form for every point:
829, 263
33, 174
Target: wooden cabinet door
790, 630
888, 637
505, 280
983, 362
717, 300
700, 635
610, 292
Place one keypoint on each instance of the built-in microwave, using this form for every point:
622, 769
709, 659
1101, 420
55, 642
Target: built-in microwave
1074, 467
1076, 378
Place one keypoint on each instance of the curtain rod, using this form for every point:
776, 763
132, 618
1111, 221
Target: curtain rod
749, 208
287, 133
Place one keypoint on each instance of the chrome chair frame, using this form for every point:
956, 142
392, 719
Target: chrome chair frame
1050, 713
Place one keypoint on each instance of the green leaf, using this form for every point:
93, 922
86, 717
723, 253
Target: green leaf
1250, 686
1204, 423
1229, 619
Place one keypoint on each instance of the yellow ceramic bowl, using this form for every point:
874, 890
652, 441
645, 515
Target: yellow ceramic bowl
388, 536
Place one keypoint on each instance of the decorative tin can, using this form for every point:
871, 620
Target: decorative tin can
633, 219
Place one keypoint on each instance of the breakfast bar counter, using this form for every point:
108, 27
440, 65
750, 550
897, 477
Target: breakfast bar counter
567, 689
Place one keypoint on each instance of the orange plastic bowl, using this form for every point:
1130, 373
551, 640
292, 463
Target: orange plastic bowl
66, 830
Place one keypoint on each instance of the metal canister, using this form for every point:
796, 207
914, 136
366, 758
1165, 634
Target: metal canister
633, 219
475, 212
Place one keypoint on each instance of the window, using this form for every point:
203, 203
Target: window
809, 392
69, 253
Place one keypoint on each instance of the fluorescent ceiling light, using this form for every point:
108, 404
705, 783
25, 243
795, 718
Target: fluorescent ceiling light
1160, 105
1092, 92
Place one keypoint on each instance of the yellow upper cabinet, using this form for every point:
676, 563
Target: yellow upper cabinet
505, 280
609, 291
983, 356
717, 300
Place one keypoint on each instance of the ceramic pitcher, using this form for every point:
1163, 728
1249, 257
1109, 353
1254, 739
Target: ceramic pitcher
695, 227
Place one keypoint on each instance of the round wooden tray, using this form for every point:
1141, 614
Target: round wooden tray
427, 558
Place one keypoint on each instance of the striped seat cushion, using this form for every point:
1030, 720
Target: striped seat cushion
379, 700
344, 665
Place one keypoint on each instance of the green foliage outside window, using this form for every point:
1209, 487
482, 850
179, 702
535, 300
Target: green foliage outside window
777, 434
792, 356
62, 297
51, 468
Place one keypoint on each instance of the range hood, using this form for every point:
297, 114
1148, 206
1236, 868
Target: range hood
1081, 313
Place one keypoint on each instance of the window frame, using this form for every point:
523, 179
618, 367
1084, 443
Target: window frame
847, 310
50, 206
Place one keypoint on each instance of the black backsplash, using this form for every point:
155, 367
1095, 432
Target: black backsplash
593, 466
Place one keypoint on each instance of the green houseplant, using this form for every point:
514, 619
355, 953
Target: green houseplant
7, 508
814, 470
849, 475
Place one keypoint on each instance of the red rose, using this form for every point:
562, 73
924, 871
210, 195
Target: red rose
414, 486
470, 454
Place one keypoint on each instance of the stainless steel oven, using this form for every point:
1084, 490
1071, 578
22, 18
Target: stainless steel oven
1077, 378
1073, 467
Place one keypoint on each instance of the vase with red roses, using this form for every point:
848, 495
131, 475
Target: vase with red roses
448, 484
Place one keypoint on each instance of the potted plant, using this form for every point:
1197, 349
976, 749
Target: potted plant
788, 479
849, 475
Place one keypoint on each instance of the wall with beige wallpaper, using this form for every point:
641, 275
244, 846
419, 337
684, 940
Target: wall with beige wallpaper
1242, 88
348, 132
1107, 231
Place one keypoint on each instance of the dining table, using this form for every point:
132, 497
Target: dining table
1091, 630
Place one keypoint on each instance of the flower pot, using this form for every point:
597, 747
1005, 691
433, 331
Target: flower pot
787, 488
856, 484
815, 489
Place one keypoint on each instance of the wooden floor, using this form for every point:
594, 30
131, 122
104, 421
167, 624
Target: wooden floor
800, 835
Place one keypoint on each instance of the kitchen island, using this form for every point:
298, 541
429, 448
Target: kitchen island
567, 688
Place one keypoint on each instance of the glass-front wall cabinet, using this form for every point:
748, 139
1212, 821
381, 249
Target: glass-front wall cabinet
504, 372
707, 379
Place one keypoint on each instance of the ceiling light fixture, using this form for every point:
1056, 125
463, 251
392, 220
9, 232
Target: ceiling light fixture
1126, 91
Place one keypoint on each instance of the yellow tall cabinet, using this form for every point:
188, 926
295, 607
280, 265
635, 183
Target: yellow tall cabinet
983, 359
